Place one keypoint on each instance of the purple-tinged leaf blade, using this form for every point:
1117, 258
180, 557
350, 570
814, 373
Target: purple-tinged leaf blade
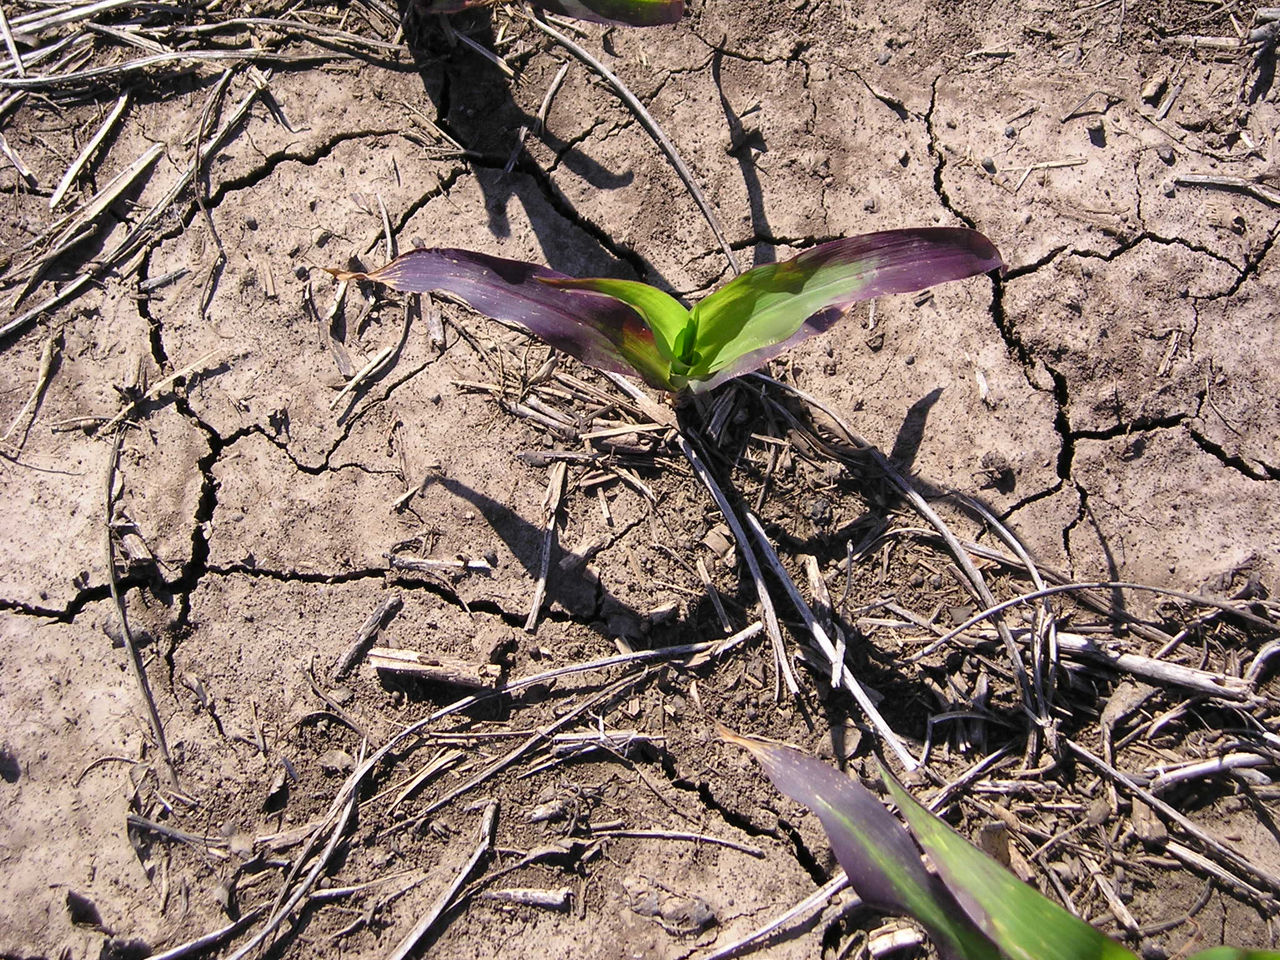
597, 329
633, 13
757, 313
882, 861
666, 316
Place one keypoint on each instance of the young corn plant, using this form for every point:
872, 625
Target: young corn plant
632, 13
624, 326
972, 908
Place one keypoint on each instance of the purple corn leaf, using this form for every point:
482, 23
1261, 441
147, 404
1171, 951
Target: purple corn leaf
663, 313
877, 853
595, 328
760, 313
634, 13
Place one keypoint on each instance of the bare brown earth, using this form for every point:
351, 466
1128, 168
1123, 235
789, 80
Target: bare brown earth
1113, 399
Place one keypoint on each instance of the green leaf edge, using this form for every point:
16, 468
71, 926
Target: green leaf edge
1023, 924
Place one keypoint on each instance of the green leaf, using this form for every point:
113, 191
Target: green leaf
768, 305
666, 316
1233, 953
877, 853
1021, 922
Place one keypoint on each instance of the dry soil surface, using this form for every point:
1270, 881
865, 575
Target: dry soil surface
1114, 399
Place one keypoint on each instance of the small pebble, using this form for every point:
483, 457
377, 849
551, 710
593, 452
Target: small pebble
300, 272
1153, 89
1010, 132
884, 57
988, 165
1165, 153
1097, 132
820, 511
1167, 188
870, 205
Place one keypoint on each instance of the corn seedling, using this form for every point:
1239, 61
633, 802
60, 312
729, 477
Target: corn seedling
624, 326
972, 908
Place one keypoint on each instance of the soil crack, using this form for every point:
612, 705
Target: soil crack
308, 158
1235, 462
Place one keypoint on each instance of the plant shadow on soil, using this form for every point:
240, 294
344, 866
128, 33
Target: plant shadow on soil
475, 107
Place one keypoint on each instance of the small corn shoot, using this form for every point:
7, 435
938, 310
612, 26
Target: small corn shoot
972, 908
629, 327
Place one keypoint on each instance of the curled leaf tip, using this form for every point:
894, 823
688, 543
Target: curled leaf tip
339, 274
728, 736
752, 744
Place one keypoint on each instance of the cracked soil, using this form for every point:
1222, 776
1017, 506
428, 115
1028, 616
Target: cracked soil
1114, 399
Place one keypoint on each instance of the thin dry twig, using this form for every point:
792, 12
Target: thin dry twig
47, 355
200, 944
538, 737
693, 653
159, 387
367, 634
1259, 191
810, 904
429, 919
838, 666
136, 666
89, 150
285, 906
976, 582
551, 511
10, 45
1230, 687
655, 131
1223, 853
682, 835
143, 229
770, 616
381, 361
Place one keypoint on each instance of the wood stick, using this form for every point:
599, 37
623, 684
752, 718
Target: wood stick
976, 582
808, 905
410, 940
551, 510
367, 634
304, 886
694, 653
136, 666
1221, 851
438, 667
838, 667
51, 346
89, 149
